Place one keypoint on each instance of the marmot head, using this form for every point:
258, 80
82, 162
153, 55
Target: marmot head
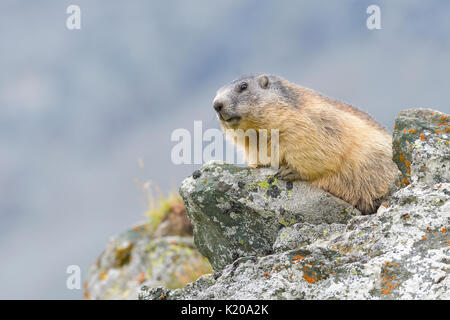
242, 103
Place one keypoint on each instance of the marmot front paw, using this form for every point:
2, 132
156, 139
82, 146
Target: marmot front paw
288, 174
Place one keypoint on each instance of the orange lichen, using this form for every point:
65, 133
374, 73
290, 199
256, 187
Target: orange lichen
266, 275
437, 131
387, 291
406, 216
297, 258
422, 137
425, 237
141, 277
385, 204
404, 130
447, 129
310, 279
439, 186
388, 277
103, 275
412, 131
277, 268
444, 230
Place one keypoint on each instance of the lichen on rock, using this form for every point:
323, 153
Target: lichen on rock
412, 129
238, 211
149, 254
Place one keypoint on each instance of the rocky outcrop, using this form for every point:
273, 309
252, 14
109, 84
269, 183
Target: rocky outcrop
159, 254
238, 211
412, 126
268, 239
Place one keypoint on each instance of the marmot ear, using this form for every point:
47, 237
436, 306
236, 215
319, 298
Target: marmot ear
263, 81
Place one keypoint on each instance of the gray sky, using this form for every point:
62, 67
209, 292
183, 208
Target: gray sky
79, 108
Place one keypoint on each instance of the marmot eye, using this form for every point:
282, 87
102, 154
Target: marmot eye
243, 86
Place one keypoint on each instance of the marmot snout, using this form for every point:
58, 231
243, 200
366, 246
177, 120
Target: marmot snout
328, 143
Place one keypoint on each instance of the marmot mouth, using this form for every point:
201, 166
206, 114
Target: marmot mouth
231, 119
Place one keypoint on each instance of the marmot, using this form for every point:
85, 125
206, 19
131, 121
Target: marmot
328, 143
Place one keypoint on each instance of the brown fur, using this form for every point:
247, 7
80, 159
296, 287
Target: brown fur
328, 143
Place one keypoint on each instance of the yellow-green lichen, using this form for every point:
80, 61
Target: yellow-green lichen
265, 184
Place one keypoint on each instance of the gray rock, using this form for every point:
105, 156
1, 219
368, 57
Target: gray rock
238, 211
402, 252
303, 234
136, 258
419, 124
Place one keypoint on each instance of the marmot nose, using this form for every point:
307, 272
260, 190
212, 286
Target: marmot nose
218, 106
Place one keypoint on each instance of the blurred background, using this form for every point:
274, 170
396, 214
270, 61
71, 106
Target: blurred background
80, 109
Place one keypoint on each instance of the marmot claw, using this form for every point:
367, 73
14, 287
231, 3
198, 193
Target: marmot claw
287, 174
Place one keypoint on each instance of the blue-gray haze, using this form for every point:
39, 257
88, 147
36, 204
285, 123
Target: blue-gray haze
79, 108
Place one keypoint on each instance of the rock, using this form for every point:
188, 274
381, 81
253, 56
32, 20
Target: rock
238, 211
411, 125
402, 252
174, 223
303, 234
158, 252
134, 258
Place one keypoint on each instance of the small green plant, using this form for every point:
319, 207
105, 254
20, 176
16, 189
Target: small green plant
157, 206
